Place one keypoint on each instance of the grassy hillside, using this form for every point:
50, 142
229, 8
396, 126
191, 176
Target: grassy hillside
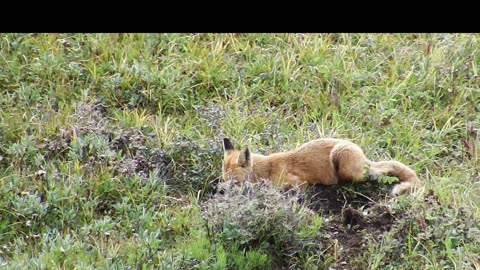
111, 148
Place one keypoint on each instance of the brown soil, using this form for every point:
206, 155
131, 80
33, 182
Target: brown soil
352, 213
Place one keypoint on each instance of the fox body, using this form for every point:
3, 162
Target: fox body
323, 161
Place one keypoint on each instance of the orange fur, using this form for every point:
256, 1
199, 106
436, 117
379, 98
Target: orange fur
322, 161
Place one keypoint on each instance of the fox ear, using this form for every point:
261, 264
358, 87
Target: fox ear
227, 145
244, 159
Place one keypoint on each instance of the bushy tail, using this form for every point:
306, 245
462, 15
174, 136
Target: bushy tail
408, 178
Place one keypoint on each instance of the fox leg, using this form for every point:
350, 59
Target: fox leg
349, 162
293, 180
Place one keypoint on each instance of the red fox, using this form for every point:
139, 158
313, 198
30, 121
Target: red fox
322, 161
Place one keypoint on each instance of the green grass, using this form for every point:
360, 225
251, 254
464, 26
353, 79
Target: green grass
110, 144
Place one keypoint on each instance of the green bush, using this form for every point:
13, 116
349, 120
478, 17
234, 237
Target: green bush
258, 217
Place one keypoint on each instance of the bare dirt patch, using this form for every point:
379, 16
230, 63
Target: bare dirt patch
353, 214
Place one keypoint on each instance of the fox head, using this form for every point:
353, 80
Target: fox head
237, 164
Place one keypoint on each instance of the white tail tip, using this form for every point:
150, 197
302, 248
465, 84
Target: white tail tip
402, 188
